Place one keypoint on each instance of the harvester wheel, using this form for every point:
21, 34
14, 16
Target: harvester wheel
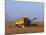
20, 26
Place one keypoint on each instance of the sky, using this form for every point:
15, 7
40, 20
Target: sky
16, 9
28, 0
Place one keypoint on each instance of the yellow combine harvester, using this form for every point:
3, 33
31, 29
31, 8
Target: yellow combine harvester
22, 22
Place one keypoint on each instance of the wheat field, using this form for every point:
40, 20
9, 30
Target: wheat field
10, 29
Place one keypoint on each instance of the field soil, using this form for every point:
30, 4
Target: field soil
11, 29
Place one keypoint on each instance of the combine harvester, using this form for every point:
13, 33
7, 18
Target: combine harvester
24, 22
